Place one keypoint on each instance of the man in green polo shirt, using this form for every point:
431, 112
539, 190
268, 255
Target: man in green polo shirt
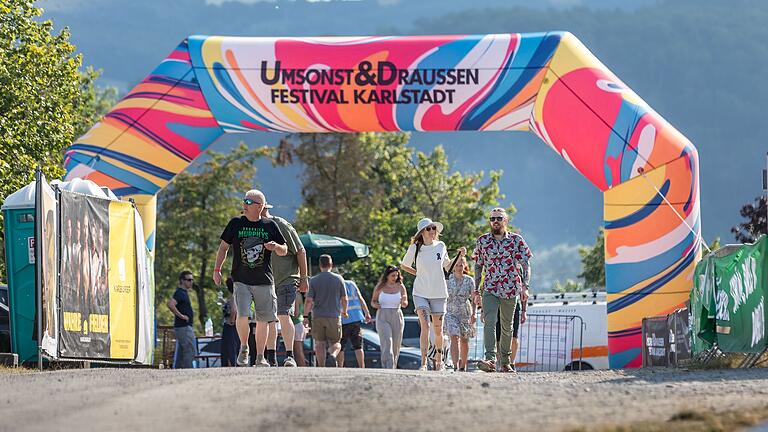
290, 273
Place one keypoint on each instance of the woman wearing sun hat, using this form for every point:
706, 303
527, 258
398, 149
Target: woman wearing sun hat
426, 259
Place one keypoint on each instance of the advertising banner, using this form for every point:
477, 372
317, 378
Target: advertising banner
655, 341
98, 278
740, 301
728, 299
702, 302
122, 281
48, 271
146, 296
679, 328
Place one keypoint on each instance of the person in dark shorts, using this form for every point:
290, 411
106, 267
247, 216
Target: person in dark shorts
350, 327
230, 343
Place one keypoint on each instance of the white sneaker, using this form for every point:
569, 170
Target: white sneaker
242, 358
260, 362
289, 362
423, 367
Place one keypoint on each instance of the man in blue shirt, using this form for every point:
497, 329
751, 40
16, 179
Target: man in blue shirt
350, 326
181, 307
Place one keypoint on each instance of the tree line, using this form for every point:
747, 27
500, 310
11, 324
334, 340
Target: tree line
47, 98
367, 187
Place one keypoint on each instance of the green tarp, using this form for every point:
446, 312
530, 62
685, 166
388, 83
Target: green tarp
340, 249
728, 299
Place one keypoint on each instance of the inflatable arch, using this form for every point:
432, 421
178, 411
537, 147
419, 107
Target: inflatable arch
546, 83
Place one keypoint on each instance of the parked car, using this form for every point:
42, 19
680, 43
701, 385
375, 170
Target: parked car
411, 339
5, 326
409, 358
411, 330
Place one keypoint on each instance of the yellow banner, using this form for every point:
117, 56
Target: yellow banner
122, 281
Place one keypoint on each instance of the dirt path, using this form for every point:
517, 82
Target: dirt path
371, 400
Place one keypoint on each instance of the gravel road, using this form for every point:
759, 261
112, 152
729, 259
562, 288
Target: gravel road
367, 400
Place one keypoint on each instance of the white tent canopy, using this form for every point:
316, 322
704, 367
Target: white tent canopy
25, 197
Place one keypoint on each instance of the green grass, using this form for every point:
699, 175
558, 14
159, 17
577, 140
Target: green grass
11, 370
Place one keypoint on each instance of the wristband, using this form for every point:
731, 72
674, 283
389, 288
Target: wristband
306, 316
217, 270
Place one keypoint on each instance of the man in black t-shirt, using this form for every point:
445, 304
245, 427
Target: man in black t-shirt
181, 307
253, 239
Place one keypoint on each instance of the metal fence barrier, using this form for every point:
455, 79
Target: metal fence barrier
550, 343
546, 343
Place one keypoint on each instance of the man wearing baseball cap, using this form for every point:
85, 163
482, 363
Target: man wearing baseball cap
504, 257
253, 239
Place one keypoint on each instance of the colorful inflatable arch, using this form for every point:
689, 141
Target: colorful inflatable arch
546, 83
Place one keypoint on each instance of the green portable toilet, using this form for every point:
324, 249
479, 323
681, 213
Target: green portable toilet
19, 227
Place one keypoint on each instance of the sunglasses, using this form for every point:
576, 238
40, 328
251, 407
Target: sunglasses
496, 218
430, 228
249, 201
189, 280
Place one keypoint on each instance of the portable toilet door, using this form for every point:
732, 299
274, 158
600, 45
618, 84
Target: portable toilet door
19, 226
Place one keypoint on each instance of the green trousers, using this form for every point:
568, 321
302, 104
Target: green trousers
492, 308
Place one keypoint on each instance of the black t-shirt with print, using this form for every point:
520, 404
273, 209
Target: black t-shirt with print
251, 261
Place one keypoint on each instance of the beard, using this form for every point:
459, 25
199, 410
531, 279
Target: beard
497, 231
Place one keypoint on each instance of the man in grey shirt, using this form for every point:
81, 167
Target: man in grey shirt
327, 302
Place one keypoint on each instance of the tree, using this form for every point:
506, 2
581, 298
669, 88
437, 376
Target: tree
45, 100
570, 285
192, 213
715, 245
593, 263
372, 188
755, 213
345, 174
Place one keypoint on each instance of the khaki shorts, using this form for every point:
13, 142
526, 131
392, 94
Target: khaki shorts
264, 300
326, 329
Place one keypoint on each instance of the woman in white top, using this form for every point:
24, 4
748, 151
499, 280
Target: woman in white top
389, 297
426, 259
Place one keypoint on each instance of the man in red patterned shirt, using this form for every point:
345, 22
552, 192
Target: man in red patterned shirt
503, 258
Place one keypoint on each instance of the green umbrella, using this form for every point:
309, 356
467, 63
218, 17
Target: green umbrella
340, 249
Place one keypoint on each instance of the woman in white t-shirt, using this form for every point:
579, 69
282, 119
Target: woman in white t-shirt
430, 257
